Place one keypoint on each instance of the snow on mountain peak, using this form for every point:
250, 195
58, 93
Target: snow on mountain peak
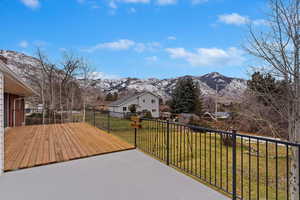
211, 84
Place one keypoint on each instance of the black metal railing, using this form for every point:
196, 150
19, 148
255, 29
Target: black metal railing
241, 166
117, 123
40, 116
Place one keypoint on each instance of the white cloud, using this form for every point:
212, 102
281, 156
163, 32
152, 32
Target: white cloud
132, 10
62, 49
233, 18
24, 44
150, 46
199, 1
171, 38
206, 57
102, 75
166, 2
122, 44
95, 6
40, 43
260, 22
135, 1
140, 47
152, 58
99, 75
112, 4
237, 19
31, 3
125, 44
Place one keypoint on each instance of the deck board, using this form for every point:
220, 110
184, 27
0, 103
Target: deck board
37, 145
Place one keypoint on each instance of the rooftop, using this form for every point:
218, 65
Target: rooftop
127, 98
13, 83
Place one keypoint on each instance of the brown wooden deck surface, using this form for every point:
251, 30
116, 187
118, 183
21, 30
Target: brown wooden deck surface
30, 146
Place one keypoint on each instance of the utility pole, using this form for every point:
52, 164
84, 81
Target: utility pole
216, 101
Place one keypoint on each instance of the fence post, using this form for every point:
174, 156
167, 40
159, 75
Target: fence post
234, 195
168, 142
108, 122
94, 116
135, 133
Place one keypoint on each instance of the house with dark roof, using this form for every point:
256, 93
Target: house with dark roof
143, 101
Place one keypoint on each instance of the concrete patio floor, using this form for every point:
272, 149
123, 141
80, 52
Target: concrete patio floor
128, 175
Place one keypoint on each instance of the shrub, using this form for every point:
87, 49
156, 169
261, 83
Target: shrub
132, 108
147, 114
200, 123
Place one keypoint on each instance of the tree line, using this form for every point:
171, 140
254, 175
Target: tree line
62, 88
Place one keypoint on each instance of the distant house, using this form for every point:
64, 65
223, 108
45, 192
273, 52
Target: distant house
222, 115
208, 116
33, 108
103, 106
165, 115
186, 117
143, 101
215, 116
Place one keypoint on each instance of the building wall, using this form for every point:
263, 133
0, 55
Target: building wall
143, 102
1, 123
14, 110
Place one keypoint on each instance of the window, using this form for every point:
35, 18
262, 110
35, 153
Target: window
124, 108
153, 110
152, 101
144, 100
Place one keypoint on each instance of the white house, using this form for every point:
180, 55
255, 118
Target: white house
143, 101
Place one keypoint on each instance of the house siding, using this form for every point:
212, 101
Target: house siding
143, 102
1, 123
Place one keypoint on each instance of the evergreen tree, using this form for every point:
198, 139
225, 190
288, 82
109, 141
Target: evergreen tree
186, 97
132, 108
116, 96
109, 97
264, 83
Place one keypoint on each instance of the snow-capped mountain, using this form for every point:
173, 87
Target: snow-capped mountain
18, 62
212, 84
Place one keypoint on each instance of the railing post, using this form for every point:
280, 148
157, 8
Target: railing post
299, 169
168, 142
94, 117
108, 122
234, 195
135, 134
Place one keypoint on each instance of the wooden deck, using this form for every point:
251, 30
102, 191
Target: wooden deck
30, 146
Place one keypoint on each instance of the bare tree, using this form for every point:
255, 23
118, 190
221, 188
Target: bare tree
70, 66
47, 72
278, 46
87, 76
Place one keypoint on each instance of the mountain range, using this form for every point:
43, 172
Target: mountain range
211, 85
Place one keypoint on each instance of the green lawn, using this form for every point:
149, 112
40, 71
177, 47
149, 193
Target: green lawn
204, 156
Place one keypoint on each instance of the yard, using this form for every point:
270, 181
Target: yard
208, 160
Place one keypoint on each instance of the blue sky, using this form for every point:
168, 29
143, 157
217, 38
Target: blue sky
136, 38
